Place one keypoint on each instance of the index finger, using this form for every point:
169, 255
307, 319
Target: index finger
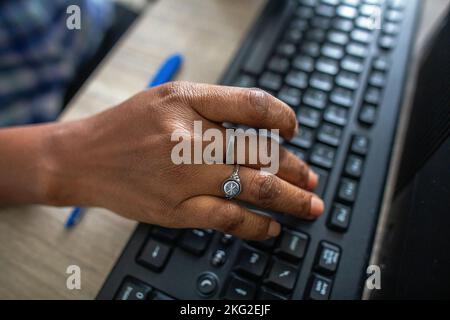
252, 107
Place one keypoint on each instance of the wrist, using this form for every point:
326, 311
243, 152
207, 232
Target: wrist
64, 181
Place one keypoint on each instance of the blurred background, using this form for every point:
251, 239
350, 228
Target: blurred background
42, 63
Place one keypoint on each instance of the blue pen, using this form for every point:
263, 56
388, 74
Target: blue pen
166, 72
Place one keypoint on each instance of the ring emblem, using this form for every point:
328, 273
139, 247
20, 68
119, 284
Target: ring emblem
232, 186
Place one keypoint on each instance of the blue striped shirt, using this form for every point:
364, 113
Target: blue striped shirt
39, 55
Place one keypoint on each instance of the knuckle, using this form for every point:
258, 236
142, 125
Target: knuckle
260, 100
266, 189
231, 216
176, 91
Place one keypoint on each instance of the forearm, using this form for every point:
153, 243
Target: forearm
32, 165
24, 164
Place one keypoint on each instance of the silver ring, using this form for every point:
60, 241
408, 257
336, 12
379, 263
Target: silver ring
231, 187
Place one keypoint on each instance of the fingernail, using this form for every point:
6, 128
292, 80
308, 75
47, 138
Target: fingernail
317, 206
313, 180
274, 229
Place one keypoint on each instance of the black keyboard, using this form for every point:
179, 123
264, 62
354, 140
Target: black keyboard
343, 73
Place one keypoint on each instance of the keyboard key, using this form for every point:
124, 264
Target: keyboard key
329, 134
323, 177
319, 288
292, 245
304, 12
251, 262
290, 96
368, 115
391, 29
370, 10
342, 97
282, 276
322, 156
357, 50
304, 139
294, 35
316, 35
340, 217
321, 81
321, 23
347, 190
195, 240
336, 115
375, 2
155, 255
354, 166
327, 66
373, 96
397, 4
278, 64
133, 290
245, 81
265, 244
382, 63
327, 258
347, 80
346, 12
309, 3
387, 42
394, 16
344, 25
365, 23
311, 49
239, 289
218, 258
315, 98
377, 79
286, 49
332, 51
270, 81
297, 79
298, 25
207, 284
362, 36
326, 11
303, 63
302, 154
360, 145
267, 294
226, 239
337, 37
165, 233
352, 64
353, 3
308, 117
331, 2
158, 295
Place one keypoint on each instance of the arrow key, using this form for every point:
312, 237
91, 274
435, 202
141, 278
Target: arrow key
282, 276
239, 289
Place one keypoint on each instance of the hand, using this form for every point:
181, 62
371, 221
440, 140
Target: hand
121, 160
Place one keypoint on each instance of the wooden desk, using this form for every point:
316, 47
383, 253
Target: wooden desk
35, 249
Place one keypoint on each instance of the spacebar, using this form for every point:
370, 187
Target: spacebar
275, 18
